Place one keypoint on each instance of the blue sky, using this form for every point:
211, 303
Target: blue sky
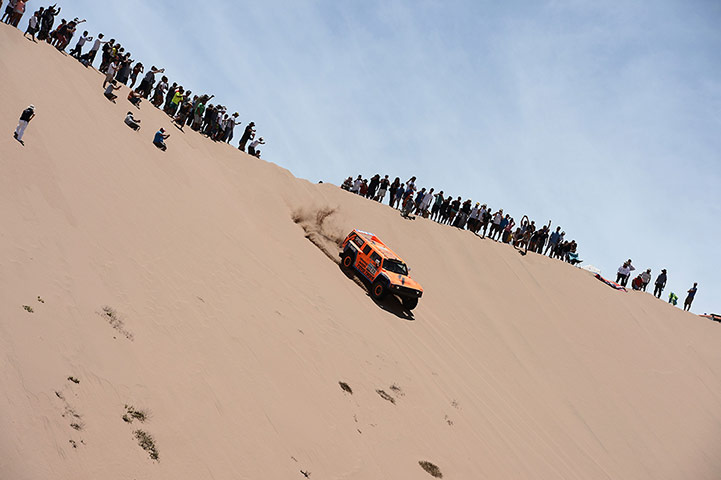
602, 116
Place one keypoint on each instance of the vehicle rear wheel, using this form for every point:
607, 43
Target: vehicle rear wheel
378, 290
346, 261
410, 302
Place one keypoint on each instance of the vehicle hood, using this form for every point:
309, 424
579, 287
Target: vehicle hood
404, 281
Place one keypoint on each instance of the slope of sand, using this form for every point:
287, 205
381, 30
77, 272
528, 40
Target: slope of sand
182, 284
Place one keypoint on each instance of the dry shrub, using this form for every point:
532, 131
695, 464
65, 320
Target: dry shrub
431, 469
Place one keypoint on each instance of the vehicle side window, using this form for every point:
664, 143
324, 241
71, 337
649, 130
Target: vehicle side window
375, 258
358, 241
367, 249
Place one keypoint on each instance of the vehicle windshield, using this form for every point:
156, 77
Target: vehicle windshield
395, 266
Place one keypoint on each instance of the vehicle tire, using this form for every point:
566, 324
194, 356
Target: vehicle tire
378, 290
347, 261
410, 302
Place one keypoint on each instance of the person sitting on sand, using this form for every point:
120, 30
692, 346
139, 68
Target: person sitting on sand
109, 91
133, 123
27, 115
159, 140
135, 98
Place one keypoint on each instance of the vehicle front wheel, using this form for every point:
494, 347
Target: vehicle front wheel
410, 302
378, 290
346, 261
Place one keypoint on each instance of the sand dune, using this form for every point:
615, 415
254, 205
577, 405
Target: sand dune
182, 284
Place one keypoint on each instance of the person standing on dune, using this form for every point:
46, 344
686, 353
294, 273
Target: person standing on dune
660, 284
689, 298
249, 130
27, 115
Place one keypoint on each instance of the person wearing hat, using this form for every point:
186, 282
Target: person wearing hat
159, 140
27, 115
255, 143
249, 130
660, 284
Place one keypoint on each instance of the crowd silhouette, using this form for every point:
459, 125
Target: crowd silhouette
119, 68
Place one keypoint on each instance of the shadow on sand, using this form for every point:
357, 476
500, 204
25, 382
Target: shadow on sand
390, 303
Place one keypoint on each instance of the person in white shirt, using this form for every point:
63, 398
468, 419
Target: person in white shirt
426, 203
32, 24
110, 75
356, 185
77, 51
624, 271
255, 143
96, 46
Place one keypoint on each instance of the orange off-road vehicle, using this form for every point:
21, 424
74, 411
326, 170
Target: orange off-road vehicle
386, 271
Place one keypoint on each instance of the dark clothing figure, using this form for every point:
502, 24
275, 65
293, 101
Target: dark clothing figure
689, 298
660, 284
246, 136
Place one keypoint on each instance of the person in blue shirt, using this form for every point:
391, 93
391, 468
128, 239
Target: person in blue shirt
159, 140
553, 241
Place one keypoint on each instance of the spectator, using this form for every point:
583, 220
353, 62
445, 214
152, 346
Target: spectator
18, 12
110, 72
96, 46
46, 24
135, 98
393, 189
33, 24
254, 144
660, 284
159, 139
689, 297
646, 278
109, 91
249, 130
27, 115
382, 189
132, 122
137, 70
624, 271
78, 50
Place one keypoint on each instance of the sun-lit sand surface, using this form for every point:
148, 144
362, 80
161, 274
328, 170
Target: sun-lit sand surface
181, 283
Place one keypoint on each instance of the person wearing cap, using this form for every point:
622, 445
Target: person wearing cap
27, 115
255, 143
159, 140
660, 284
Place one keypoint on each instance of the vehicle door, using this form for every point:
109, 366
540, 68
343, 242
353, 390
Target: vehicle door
363, 261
